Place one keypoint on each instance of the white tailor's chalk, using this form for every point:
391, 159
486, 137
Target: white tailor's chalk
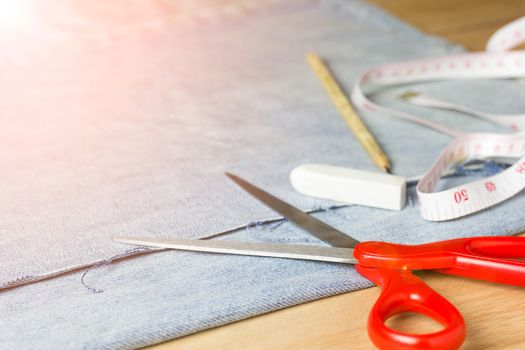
366, 188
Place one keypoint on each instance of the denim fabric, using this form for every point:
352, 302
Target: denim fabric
168, 294
116, 129
124, 125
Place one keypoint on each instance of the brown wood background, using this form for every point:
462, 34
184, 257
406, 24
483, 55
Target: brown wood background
495, 314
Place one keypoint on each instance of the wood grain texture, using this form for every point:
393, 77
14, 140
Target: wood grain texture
495, 314
467, 22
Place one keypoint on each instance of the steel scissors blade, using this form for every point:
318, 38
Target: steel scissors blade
301, 252
305, 221
388, 265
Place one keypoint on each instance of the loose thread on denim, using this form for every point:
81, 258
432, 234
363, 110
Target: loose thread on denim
320, 210
256, 224
262, 227
91, 289
279, 223
107, 262
266, 227
20, 281
333, 209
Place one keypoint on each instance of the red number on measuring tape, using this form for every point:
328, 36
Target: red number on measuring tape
489, 185
521, 168
461, 196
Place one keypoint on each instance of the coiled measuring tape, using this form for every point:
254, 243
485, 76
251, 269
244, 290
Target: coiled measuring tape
496, 62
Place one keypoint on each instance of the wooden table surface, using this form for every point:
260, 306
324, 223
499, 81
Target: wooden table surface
495, 314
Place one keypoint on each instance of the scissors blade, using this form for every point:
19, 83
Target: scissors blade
305, 221
288, 251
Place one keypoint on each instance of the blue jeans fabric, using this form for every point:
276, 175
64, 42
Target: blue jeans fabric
129, 129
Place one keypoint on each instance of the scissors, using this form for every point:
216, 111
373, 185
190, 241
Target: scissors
388, 265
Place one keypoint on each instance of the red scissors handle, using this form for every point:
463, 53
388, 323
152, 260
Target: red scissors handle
485, 258
405, 292
390, 266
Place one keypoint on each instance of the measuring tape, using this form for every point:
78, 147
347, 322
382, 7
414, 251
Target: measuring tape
515, 122
497, 62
